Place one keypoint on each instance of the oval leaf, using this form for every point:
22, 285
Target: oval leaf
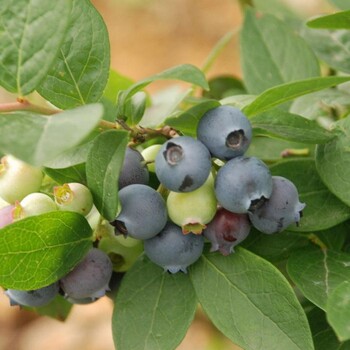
287, 92
31, 35
332, 162
36, 139
272, 54
103, 165
39, 250
317, 272
290, 127
250, 301
340, 20
338, 310
153, 309
81, 70
313, 192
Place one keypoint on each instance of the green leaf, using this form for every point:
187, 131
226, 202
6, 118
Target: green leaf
31, 33
184, 72
136, 107
153, 309
271, 150
102, 170
317, 272
223, 86
334, 238
287, 92
340, 20
323, 210
331, 46
81, 70
36, 139
272, 54
333, 162
338, 310
187, 121
250, 301
290, 126
274, 248
58, 309
75, 173
116, 82
39, 250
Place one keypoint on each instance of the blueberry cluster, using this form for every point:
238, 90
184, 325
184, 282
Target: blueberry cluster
208, 190
203, 203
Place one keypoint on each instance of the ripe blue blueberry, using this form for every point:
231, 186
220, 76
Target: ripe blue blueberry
183, 164
280, 210
143, 214
33, 298
134, 169
90, 278
173, 250
226, 231
226, 132
243, 183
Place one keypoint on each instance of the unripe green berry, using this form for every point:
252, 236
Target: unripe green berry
18, 179
149, 154
73, 197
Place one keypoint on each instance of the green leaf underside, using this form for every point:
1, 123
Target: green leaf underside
318, 272
326, 42
31, 33
333, 162
37, 251
338, 310
80, 72
323, 210
36, 139
184, 72
287, 92
250, 301
340, 20
271, 54
291, 127
153, 309
76, 173
102, 170
187, 121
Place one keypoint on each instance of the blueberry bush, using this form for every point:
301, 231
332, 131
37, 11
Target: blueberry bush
235, 198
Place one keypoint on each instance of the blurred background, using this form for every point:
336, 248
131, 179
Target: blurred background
147, 36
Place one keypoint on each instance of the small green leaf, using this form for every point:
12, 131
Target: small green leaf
287, 92
75, 173
31, 33
326, 43
272, 54
37, 139
338, 310
102, 170
116, 82
290, 126
153, 309
39, 250
340, 20
318, 272
250, 301
81, 70
312, 192
187, 121
333, 159
185, 72
58, 309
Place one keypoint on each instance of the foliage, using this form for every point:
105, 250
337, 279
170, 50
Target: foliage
285, 291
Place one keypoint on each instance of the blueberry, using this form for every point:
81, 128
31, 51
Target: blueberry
6, 215
33, 298
134, 169
281, 210
242, 184
226, 132
173, 250
227, 230
143, 212
183, 164
90, 278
